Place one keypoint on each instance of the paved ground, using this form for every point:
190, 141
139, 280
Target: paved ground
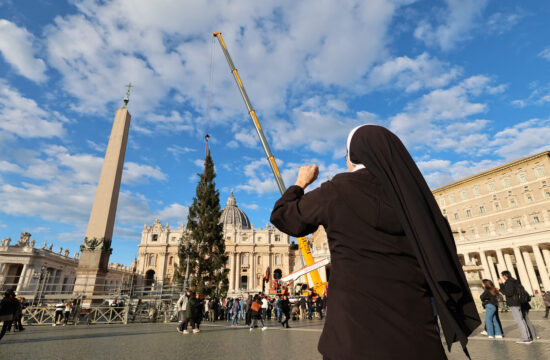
219, 341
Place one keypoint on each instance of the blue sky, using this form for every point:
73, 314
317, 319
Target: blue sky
465, 84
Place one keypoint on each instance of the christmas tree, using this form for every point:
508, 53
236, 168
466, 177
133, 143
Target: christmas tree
203, 242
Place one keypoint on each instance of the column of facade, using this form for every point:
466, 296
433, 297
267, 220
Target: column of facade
486, 272
510, 264
501, 263
546, 256
523, 277
232, 273
21, 284
494, 275
531, 272
253, 271
542, 268
238, 271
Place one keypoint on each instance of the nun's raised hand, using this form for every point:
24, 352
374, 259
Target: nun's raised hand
307, 175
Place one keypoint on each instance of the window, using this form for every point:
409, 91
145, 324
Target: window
155, 237
464, 195
506, 182
152, 260
497, 206
536, 219
491, 186
444, 212
473, 231
482, 209
173, 238
529, 198
518, 223
512, 202
244, 260
277, 260
522, 177
477, 190
277, 238
501, 226
442, 201
170, 260
486, 229
547, 194
452, 199
468, 213
259, 260
456, 216
539, 172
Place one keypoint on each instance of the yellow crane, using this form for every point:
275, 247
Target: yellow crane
303, 245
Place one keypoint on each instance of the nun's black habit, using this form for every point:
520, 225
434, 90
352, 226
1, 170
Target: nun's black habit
391, 252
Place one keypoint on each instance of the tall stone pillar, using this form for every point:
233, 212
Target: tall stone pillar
542, 268
494, 274
510, 264
546, 256
96, 250
501, 263
252, 271
238, 271
531, 272
232, 273
486, 272
22, 283
523, 277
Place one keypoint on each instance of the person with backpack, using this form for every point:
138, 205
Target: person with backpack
236, 308
256, 314
518, 299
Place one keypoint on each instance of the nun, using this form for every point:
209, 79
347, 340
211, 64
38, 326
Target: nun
393, 258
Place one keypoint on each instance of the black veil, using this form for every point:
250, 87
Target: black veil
385, 156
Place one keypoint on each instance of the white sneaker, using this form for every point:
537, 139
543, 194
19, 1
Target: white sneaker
483, 332
491, 337
251, 329
498, 336
185, 332
264, 328
54, 324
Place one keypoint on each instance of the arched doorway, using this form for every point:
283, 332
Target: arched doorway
149, 278
277, 274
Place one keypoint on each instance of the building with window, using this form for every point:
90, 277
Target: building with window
501, 220
253, 252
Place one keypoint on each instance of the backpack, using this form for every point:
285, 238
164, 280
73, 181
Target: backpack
256, 306
523, 295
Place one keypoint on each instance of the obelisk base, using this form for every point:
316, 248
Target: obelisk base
90, 276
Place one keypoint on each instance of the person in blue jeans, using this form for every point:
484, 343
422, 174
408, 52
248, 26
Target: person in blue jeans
490, 303
236, 309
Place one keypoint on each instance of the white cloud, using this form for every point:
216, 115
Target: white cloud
16, 45
412, 74
540, 95
441, 172
499, 22
545, 53
452, 25
134, 173
23, 117
175, 213
444, 112
97, 147
178, 151
523, 139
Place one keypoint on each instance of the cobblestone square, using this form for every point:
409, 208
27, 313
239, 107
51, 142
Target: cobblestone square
221, 341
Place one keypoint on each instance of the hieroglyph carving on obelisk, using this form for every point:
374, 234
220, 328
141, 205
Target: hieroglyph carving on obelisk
96, 249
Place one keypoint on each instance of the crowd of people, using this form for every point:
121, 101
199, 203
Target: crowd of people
11, 312
194, 308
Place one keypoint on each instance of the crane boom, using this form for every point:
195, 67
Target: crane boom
303, 244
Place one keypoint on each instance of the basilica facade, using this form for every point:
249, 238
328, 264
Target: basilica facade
253, 252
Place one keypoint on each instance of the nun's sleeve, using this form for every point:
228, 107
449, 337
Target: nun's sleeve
297, 214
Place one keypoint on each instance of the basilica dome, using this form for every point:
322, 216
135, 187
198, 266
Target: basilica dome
232, 215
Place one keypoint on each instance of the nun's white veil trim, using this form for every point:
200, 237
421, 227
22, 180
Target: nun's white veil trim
350, 136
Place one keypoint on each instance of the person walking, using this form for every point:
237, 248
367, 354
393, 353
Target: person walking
490, 303
181, 306
387, 235
236, 308
8, 308
518, 301
67, 312
191, 313
285, 310
19, 314
277, 306
213, 309
264, 307
310, 306
199, 315
59, 308
546, 298
248, 315
319, 306
256, 313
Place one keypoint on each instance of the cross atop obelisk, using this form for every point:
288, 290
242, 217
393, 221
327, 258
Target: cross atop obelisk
96, 249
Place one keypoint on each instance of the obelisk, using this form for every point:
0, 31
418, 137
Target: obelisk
93, 265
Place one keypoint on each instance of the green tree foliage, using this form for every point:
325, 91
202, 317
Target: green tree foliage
208, 274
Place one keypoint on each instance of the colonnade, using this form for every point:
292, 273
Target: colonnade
518, 259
